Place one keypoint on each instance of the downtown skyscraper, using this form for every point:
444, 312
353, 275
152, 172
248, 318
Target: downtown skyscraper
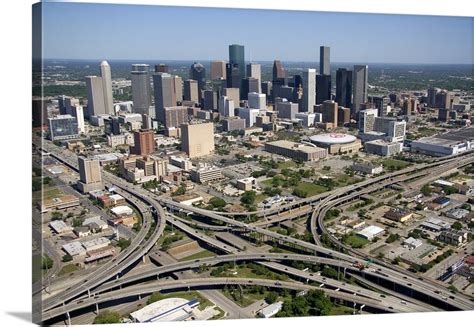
141, 89
344, 87
165, 94
237, 56
324, 61
309, 90
106, 75
360, 80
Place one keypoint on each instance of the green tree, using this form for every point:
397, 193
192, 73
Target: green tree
248, 198
426, 190
67, 258
457, 225
107, 317
271, 297
217, 202
56, 215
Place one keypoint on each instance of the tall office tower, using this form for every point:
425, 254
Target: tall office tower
197, 72
309, 90
393, 97
63, 127
197, 139
165, 94
287, 110
381, 103
107, 86
112, 126
233, 75
297, 85
237, 56
279, 73
175, 116
65, 103
249, 114
144, 142
95, 96
255, 70
232, 93
210, 100
218, 69
343, 116
323, 88
90, 177
443, 100
367, 120
395, 130
410, 106
40, 112
443, 114
324, 62
431, 96
329, 112
249, 84
226, 107
279, 78
191, 90
359, 84
161, 68
178, 88
78, 112
267, 88
344, 87
141, 90
257, 101
146, 122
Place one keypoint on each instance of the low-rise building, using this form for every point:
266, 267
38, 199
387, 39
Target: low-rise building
95, 244
188, 199
74, 249
371, 232
457, 213
271, 310
398, 215
366, 167
82, 231
206, 173
59, 203
296, 150
452, 237
246, 184
383, 148
60, 227
412, 243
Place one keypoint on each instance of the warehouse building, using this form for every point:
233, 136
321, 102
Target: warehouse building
447, 144
371, 232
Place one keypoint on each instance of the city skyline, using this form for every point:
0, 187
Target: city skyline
115, 40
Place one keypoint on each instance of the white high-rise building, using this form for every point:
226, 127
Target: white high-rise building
257, 100
367, 120
309, 90
250, 115
226, 107
78, 112
107, 86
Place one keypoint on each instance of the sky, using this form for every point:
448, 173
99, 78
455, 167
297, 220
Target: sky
134, 32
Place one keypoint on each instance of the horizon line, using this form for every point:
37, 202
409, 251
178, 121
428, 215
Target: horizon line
257, 61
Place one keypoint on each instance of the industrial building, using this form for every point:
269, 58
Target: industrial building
370, 232
171, 309
447, 144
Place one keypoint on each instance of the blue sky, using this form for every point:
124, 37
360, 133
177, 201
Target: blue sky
105, 31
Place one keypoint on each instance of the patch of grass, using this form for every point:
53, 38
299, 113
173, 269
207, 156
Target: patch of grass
67, 269
36, 272
340, 310
310, 189
394, 164
219, 315
286, 164
199, 255
203, 302
260, 197
355, 241
48, 193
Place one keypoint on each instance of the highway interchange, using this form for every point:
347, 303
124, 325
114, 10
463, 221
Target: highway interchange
102, 286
